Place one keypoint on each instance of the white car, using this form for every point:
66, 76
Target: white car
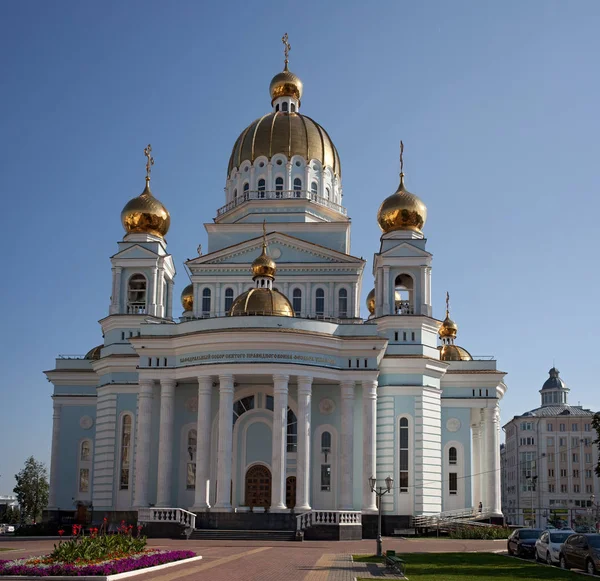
547, 547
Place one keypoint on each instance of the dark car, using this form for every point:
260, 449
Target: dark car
522, 542
581, 552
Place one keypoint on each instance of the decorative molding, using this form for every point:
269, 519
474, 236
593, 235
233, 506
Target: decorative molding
191, 404
453, 424
86, 422
326, 406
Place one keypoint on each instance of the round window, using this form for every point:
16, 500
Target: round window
298, 164
261, 164
316, 167
279, 162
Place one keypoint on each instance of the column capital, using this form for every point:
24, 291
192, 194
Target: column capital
146, 386
370, 386
281, 378
56, 406
205, 383
167, 385
347, 388
226, 382
304, 384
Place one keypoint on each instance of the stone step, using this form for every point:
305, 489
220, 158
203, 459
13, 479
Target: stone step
240, 535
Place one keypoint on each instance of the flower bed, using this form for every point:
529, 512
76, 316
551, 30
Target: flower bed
35, 567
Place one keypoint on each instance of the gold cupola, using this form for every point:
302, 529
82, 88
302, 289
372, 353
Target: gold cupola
145, 214
402, 210
447, 332
371, 302
187, 298
286, 83
263, 299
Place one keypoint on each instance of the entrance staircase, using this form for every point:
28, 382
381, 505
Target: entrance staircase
248, 535
452, 519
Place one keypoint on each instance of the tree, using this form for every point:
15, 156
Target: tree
596, 426
32, 489
12, 515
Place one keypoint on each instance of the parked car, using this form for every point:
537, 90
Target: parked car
582, 552
522, 542
547, 547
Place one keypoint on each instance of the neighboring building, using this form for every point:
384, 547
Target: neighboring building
270, 391
548, 460
7, 502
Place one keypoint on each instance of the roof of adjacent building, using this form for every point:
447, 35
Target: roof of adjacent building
557, 410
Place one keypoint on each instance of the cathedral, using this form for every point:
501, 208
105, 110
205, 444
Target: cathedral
263, 390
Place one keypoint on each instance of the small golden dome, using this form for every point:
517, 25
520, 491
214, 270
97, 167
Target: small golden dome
288, 134
402, 211
145, 214
454, 353
371, 302
263, 266
285, 84
448, 328
94, 354
261, 301
187, 298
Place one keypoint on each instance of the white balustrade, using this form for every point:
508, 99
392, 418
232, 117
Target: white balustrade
176, 515
328, 517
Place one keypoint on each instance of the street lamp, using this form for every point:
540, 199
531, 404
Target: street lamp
380, 491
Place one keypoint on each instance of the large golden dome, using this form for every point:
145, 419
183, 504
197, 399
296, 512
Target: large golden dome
288, 134
261, 301
187, 298
454, 353
145, 214
402, 211
371, 302
285, 84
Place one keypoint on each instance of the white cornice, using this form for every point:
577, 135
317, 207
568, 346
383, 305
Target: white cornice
67, 378
78, 399
413, 365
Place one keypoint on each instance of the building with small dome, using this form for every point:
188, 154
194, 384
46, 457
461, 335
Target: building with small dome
260, 396
548, 462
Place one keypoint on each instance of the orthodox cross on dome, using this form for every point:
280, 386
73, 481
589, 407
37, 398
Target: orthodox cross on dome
401, 158
264, 236
150, 162
286, 50
447, 303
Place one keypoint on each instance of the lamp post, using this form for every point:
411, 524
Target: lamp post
380, 491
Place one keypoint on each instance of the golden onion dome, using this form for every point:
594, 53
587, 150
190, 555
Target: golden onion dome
261, 301
448, 328
94, 354
263, 266
285, 84
371, 302
288, 134
454, 353
187, 298
145, 214
402, 211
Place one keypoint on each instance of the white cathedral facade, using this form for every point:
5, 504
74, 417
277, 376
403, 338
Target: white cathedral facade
267, 390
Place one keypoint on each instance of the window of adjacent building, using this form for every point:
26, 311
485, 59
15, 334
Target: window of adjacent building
574, 441
587, 441
125, 452
343, 302
575, 473
297, 300
136, 294
588, 458
575, 457
574, 427
576, 488
563, 456
563, 488
326, 477
314, 189
588, 473
587, 427
562, 441
550, 441
228, 298
527, 465
562, 427
563, 472
452, 455
551, 473
292, 431
403, 436
206, 296
589, 488
549, 427
551, 488
320, 302
453, 483
526, 425
192, 446
297, 187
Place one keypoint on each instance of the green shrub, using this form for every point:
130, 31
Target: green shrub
43, 529
480, 532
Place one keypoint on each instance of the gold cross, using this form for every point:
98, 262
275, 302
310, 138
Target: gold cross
287, 49
447, 303
401, 157
150, 162
264, 243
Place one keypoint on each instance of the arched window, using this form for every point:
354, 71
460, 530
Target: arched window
192, 441
277, 107
284, 107
326, 442
85, 464
327, 193
261, 188
241, 406
297, 187
403, 454
293, 107
206, 302
125, 452
343, 302
403, 295
320, 302
452, 455
314, 188
292, 431
278, 187
235, 194
136, 295
246, 188
297, 301
228, 299
86, 451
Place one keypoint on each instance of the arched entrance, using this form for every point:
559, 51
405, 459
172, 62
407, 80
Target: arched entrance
258, 486
290, 491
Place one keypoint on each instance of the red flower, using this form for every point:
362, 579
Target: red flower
61, 532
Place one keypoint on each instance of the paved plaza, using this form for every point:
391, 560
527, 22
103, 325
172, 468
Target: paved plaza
293, 561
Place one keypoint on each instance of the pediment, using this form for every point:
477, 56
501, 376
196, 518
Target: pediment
283, 248
135, 251
405, 250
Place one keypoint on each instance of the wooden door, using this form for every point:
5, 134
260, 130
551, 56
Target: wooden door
290, 491
258, 486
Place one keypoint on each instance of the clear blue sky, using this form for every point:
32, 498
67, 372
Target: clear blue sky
497, 104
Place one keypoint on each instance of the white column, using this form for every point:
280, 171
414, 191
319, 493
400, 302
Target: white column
476, 463
307, 179
165, 442
423, 293
169, 313
142, 448
386, 291
346, 445
288, 177
203, 443
151, 307
225, 443
369, 388
279, 452
54, 467
492, 460
303, 456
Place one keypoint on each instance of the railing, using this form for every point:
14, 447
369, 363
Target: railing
404, 308
328, 517
263, 195
449, 517
319, 317
71, 357
175, 515
136, 309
